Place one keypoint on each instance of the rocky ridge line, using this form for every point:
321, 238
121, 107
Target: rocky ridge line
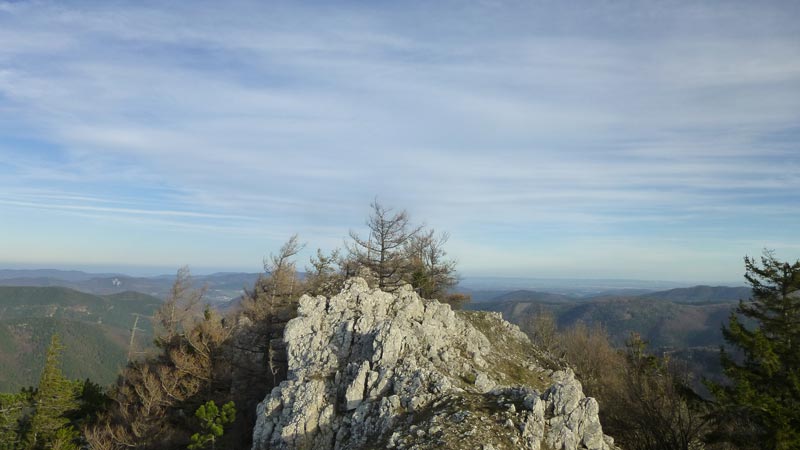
370, 369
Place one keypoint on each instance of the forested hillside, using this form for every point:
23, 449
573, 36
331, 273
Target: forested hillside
95, 331
690, 322
687, 328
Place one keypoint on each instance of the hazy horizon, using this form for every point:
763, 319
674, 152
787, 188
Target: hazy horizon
624, 140
465, 278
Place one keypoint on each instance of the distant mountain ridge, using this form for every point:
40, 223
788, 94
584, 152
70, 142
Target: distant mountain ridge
579, 287
65, 275
702, 294
537, 296
693, 294
222, 286
225, 286
680, 318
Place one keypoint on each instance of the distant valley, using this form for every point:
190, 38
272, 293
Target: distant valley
95, 312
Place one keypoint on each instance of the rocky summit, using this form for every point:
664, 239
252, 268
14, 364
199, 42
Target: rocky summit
370, 369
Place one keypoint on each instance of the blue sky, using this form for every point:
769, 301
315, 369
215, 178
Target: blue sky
649, 140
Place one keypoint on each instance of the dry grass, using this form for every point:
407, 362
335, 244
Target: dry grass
514, 359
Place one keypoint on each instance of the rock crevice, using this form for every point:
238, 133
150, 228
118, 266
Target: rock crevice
371, 369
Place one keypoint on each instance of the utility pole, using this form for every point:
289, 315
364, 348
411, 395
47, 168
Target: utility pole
133, 336
130, 346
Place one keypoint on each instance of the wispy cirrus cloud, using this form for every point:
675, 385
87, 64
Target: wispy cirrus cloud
606, 120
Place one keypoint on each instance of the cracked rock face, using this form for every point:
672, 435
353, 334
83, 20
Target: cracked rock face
370, 369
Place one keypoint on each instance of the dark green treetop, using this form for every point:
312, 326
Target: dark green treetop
55, 398
12, 417
763, 395
212, 422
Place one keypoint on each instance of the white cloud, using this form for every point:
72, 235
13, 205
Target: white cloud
593, 120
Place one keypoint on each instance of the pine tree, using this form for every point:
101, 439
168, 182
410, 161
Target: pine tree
12, 414
212, 422
53, 400
764, 372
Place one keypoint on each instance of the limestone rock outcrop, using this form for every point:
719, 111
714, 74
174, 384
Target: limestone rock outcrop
370, 369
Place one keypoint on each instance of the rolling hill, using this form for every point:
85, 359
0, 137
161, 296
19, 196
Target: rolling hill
702, 294
676, 318
524, 295
95, 331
